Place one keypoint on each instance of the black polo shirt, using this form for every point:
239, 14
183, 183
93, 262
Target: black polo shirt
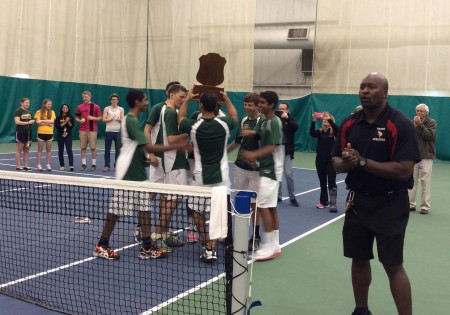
391, 137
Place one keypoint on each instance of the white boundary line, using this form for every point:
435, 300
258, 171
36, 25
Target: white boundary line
181, 295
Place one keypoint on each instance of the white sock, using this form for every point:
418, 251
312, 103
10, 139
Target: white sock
94, 161
83, 161
276, 237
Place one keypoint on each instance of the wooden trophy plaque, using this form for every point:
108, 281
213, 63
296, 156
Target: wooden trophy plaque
210, 75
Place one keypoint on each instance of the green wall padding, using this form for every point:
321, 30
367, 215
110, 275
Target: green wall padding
339, 105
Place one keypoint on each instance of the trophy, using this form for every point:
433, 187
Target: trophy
210, 75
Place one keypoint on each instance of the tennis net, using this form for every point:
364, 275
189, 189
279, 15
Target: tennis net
50, 225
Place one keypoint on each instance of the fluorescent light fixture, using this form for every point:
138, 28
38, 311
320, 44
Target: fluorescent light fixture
21, 76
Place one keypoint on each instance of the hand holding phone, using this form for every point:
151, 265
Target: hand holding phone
319, 115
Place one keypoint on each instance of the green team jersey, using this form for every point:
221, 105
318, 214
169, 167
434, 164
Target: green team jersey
154, 120
247, 143
130, 164
271, 132
209, 137
171, 160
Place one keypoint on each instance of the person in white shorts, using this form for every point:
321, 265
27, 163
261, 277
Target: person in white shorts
130, 166
271, 158
208, 134
246, 176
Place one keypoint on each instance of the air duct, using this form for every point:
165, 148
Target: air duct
286, 35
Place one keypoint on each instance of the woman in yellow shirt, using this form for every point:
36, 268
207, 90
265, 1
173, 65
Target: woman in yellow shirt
45, 119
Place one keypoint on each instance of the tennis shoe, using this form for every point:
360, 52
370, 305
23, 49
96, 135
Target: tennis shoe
208, 256
61, 168
93, 167
162, 244
83, 167
174, 241
153, 252
257, 243
192, 237
320, 206
49, 167
105, 252
137, 234
72, 168
39, 168
265, 252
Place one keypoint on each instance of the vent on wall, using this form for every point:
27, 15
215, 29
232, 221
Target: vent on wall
298, 33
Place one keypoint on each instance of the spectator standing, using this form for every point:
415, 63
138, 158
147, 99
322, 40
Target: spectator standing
45, 119
87, 115
426, 132
378, 148
24, 121
290, 126
326, 136
112, 116
64, 124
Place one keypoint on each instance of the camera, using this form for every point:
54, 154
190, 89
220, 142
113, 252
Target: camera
319, 115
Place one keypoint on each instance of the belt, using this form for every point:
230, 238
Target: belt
387, 193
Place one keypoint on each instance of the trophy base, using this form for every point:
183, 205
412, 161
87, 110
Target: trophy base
199, 89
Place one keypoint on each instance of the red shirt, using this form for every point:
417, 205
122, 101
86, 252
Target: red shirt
84, 110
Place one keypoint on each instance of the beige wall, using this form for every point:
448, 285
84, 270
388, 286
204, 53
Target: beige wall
125, 42
407, 40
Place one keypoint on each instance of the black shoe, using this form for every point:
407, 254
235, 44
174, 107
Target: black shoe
280, 199
361, 312
294, 202
83, 167
93, 167
412, 208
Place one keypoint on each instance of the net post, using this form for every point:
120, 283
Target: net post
240, 265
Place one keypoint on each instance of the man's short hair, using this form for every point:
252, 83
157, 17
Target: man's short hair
424, 106
271, 97
114, 95
251, 98
209, 101
175, 88
133, 96
171, 83
86, 92
287, 105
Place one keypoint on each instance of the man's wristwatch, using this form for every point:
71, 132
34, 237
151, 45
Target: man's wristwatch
362, 162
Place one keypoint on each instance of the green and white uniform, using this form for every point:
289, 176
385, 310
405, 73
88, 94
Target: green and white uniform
130, 165
271, 132
171, 160
210, 137
248, 143
156, 174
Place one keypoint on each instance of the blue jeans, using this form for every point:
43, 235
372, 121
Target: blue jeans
289, 176
67, 141
109, 137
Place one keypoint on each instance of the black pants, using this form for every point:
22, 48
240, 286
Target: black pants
67, 141
327, 176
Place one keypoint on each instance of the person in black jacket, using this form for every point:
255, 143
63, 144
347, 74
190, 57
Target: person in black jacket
326, 136
64, 124
290, 126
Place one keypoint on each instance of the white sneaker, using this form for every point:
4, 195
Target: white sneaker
49, 167
265, 252
208, 256
39, 167
61, 168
